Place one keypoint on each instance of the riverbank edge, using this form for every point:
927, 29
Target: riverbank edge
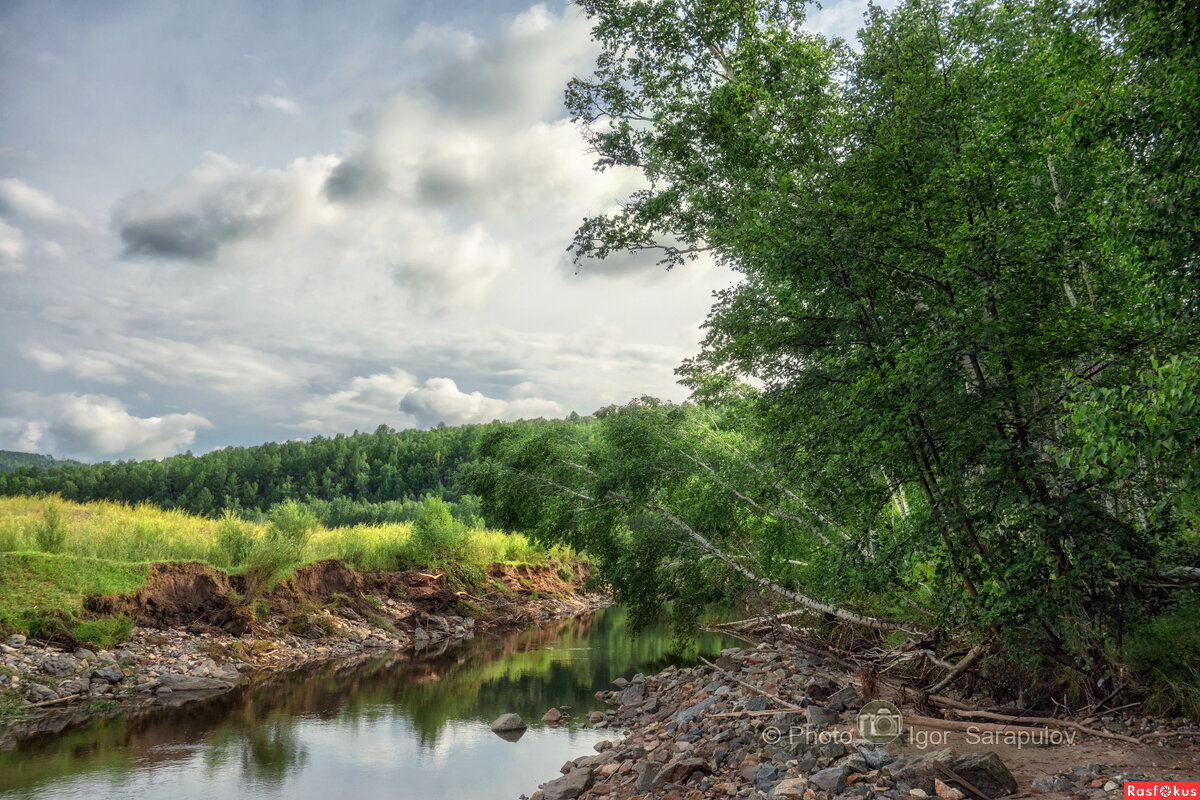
196, 638
771, 722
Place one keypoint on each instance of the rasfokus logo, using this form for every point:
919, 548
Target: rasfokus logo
880, 722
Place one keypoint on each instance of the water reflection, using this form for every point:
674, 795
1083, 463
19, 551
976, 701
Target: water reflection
383, 728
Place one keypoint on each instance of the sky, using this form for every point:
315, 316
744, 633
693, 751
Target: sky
225, 223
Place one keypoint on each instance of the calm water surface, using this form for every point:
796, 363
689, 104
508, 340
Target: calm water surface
385, 728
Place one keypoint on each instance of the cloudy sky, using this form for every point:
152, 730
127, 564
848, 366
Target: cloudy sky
230, 222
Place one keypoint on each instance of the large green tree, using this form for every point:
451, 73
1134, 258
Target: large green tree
944, 240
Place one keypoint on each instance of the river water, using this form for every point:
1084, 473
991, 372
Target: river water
393, 727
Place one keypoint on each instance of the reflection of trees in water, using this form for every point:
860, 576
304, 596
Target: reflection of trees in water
560, 664
272, 752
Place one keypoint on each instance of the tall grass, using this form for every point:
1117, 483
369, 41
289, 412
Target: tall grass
289, 535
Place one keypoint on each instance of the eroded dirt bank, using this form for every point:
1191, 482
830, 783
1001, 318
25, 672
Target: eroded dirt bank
197, 633
774, 722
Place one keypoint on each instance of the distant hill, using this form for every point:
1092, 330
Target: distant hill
11, 460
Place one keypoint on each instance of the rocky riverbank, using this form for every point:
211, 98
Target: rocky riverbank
196, 637
772, 722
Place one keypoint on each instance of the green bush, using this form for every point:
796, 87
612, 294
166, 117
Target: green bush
438, 540
281, 549
234, 542
50, 534
1164, 654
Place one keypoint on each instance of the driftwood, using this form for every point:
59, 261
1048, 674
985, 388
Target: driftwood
56, 701
787, 706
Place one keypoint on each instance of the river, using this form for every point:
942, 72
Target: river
393, 727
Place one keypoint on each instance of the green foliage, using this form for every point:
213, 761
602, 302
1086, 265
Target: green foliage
10, 461
982, 211
234, 542
438, 540
50, 534
281, 549
1164, 653
43, 596
349, 480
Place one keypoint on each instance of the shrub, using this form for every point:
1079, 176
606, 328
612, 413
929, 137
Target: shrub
1165, 654
50, 535
234, 541
281, 549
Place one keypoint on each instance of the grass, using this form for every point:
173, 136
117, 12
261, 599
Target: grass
144, 533
42, 595
54, 553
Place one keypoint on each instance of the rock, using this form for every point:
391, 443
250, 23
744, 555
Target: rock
1051, 783
678, 769
595, 716
84, 653
59, 666
987, 772
620, 683
36, 693
193, 683
645, 781
690, 713
75, 686
552, 717
876, 757
633, 693
819, 689
945, 791
110, 674
569, 786
1110, 787
984, 770
16, 640
844, 698
758, 703
818, 715
790, 788
509, 722
832, 779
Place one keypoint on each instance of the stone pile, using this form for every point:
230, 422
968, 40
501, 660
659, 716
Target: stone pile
705, 732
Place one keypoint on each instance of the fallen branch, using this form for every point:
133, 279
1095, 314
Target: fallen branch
968, 661
786, 705
56, 701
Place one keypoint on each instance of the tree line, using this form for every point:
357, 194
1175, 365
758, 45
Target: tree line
348, 479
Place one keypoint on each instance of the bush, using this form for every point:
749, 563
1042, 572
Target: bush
1164, 653
50, 535
439, 540
281, 549
234, 542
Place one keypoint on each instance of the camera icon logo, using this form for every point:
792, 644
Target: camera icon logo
880, 722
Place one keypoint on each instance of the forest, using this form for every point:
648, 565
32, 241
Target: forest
348, 480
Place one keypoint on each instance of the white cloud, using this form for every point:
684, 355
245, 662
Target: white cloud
94, 425
440, 400
12, 248
213, 364
274, 102
367, 401
19, 199
395, 398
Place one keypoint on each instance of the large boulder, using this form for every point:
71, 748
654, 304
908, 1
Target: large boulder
509, 722
679, 769
984, 770
59, 666
569, 786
